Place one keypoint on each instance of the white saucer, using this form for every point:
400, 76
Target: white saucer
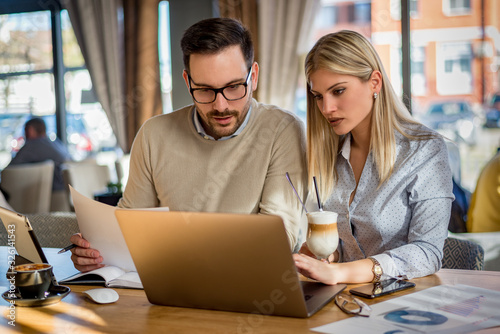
56, 293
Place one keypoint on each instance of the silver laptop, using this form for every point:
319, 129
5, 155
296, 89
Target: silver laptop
229, 262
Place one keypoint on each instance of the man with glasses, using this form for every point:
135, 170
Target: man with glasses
226, 152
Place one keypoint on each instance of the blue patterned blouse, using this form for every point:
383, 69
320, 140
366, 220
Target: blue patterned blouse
403, 224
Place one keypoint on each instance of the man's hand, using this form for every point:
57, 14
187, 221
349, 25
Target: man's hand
84, 258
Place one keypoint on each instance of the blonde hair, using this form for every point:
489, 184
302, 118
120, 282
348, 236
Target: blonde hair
349, 53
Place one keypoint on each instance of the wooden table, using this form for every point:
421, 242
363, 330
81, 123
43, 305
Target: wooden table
132, 313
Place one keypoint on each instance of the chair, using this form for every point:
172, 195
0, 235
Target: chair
459, 208
87, 178
4, 203
122, 169
29, 186
60, 201
462, 254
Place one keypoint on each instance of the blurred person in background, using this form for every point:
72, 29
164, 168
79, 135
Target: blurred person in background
39, 147
484, 209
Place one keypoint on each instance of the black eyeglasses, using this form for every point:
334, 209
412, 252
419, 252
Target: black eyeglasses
352, 305
231, 92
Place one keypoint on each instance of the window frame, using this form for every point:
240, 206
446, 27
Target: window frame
396, 7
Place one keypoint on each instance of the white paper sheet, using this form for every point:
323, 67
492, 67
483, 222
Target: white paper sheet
442, 309
98, 225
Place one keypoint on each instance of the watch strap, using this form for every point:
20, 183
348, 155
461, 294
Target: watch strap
376, 270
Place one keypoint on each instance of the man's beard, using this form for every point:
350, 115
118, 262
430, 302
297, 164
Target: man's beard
221, 130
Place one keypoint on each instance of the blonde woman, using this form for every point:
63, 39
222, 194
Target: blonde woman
386, 175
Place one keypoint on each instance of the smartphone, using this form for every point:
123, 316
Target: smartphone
381, 288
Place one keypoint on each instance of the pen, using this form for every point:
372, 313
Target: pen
67, 248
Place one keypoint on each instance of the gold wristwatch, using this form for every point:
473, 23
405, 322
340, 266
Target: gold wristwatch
376, 270
377, 288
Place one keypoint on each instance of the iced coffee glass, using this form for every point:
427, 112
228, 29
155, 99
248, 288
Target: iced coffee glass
322, 234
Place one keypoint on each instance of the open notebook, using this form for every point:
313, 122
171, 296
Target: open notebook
231, 262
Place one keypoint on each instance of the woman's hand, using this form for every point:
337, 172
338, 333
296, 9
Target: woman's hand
359, 271
319, 270
305, 250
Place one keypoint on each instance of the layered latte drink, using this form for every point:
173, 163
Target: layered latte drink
322, 234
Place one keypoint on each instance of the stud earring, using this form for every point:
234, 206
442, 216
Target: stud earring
375, 95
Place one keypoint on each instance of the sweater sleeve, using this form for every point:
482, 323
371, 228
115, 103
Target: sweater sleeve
140, 190
278, 198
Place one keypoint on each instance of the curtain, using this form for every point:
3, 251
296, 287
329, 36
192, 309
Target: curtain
246, 12
285, 29
97, 29
143, 88
119, 42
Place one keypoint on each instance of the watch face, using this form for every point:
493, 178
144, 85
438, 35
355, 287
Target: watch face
378, 270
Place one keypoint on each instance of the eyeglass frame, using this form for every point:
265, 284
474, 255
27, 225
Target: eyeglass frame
220, 90
362, 305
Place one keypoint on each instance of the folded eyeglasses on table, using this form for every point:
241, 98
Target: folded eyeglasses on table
352, 305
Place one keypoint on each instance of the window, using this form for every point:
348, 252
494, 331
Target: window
454, 76
449, 59
418, 79
25, 73
164, 53
362, 12
454, 70
414, 8
456, 7
327, 17
28, 85
349, 13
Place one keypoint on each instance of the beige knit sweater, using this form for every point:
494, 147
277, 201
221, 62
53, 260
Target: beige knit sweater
171, 165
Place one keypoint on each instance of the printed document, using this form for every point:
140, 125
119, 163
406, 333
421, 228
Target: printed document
97, 223
444, 309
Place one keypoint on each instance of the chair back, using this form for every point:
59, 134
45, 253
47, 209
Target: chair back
462, 254
87, 178
53, 229
29, 186
122, 169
